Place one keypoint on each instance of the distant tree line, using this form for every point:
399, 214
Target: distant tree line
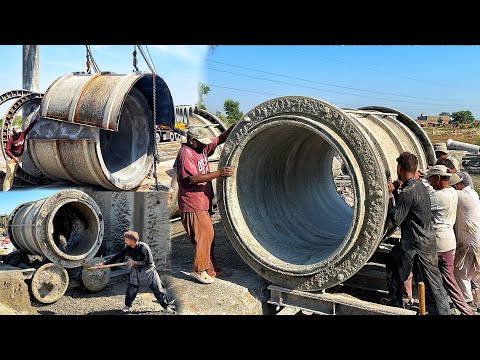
463, 117
230, 106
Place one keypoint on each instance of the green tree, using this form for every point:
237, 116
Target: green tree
440, 121
444, 113
463, 117
232, 109
203, 90
221, 116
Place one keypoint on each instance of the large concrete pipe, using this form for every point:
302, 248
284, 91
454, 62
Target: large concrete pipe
98, 129
458, 145
281, 210
67, 228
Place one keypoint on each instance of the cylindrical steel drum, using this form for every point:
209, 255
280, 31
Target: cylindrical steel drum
98, 129
67, 228
281, 210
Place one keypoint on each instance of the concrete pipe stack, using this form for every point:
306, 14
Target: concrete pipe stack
282, 212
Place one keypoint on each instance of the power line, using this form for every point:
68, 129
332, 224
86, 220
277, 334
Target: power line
148, 51
326, 90
324, 83
376, 70
264, 93
146, 59
250, 91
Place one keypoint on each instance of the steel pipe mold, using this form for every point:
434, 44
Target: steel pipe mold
281, 210
98, 129
67, 228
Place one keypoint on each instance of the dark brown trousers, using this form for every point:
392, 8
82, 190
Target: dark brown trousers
199, 228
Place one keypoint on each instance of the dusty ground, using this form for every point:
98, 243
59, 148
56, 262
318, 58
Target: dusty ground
243, 293
471, 136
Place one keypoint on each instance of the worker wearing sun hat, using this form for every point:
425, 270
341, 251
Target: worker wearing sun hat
14, 149
441, 152
195, 196
467, 253
444, 200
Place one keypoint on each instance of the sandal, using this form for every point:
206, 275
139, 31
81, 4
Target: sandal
203, 277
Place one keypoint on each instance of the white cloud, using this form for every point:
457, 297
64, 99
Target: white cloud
191, 53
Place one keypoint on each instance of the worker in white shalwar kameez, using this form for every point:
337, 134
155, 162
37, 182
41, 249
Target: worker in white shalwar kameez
467, 254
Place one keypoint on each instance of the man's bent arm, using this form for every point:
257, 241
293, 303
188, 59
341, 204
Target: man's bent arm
199, 178
223, 136
119, 255
30, 127
8, 149
398, 213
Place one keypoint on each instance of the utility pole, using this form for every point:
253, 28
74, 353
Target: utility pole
30, 76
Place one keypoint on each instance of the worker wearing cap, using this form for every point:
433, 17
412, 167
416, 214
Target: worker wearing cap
453, 168
15, 143
14, 149
441, 152
412, 212
195, 195
143, 271
467, 231
444, 200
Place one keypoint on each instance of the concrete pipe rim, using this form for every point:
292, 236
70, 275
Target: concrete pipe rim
31, 99
295, 269
319, 120
50, 208
126, 155
50, 239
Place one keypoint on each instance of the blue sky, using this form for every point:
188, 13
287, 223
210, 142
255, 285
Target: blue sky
411, 79
181, 66
11, 199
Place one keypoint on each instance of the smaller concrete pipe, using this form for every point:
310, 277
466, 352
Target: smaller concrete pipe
67, 228
458, 145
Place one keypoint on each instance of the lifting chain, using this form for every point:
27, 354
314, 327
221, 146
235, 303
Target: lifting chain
89, 64
155, 152
135, 62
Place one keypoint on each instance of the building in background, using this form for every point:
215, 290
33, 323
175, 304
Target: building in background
432, 120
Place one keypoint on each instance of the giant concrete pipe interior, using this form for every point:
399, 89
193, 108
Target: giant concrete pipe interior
281, 210
98, 129
67, 228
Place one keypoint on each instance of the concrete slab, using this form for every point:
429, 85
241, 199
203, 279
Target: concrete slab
243, 293
148, 213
